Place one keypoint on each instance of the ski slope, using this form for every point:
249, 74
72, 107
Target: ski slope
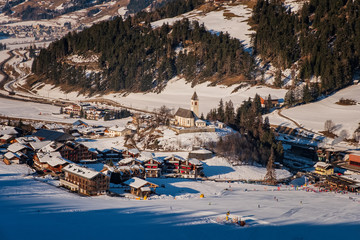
34, 208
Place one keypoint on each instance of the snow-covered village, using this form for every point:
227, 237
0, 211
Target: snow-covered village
181, 119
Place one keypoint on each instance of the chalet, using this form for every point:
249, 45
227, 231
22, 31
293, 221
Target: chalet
50, 161
140, 187
186, 117
85, 181
200, 123
15, 158
191, 168
120, 174
354, 160
131, 153
26, 140
75, 152
324, 168
153, 167
118, 131
172, 163
6, 138
129, 162
112, 154
276, 102
44, 134
9, 131
73, 109
80, 123
53, 126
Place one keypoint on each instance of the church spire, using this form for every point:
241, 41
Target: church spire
195, 104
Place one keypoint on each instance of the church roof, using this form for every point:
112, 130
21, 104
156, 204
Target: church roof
194, 96
185, 113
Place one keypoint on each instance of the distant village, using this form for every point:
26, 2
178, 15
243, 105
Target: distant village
54, 149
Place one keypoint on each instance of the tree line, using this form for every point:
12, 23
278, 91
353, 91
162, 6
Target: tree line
323, 37
134, 56
254, 141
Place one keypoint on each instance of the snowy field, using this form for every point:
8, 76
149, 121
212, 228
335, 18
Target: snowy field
33, 209
313, 116
220, 21
177, 94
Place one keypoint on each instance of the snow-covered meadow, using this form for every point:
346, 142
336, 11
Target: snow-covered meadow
34, 208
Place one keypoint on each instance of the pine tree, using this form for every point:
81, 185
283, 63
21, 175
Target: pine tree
270, 176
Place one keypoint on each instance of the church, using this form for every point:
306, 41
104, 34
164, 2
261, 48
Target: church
189, 118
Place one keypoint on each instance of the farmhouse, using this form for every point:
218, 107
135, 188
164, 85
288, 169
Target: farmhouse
85, 181
140, 187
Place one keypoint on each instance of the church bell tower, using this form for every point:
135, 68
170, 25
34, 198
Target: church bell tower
195, 104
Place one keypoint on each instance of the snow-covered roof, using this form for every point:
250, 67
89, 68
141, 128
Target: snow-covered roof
81, 171
201, 151
8, 130
27, 139
39, 145
6, 137
117, 129
15, 147
10, 155
52, 158
146, 156
323, 165
134, 151
136, 182
128, 160
195, 162
175, 156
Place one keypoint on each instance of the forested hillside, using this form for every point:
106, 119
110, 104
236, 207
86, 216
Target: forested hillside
324, 38
134, 56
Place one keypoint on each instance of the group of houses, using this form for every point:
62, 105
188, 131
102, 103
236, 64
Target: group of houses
58, 154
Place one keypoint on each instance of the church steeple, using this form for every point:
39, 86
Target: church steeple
195, 104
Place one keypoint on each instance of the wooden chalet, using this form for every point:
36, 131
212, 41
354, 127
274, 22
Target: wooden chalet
172, 164
134, 153
85, 181
14, 158
324, 168
129, 162
140, 187
191, 167
6, 138
50, 161
112, 154
153, 167
76, 151
120, 174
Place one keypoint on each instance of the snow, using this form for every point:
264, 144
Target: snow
82, 171
295, 5
32, 202
220, 168
136, 182
236, 26
313, 115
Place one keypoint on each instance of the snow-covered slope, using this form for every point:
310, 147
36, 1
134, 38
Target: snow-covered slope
31, 209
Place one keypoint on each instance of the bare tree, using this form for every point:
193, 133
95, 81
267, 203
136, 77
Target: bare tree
329, 126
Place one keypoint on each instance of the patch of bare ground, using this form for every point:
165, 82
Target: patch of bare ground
229, 15
328, 134
346, 102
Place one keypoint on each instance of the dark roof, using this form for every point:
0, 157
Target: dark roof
185, 113
79, 122
53, 135
194, 96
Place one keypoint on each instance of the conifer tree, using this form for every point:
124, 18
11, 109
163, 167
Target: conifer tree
270, 176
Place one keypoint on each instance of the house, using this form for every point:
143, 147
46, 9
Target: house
75, 152
200, 123
276, 102
50, 161
6, 138
15, 158
191, 167
153, 167
186, 117
45, 134
9, 131
112, 154
120, 174
140, 187
73, 109
131, 153
354, 160
80, 123
324, 168
117, 131
129, 162
85, 181
172, 163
